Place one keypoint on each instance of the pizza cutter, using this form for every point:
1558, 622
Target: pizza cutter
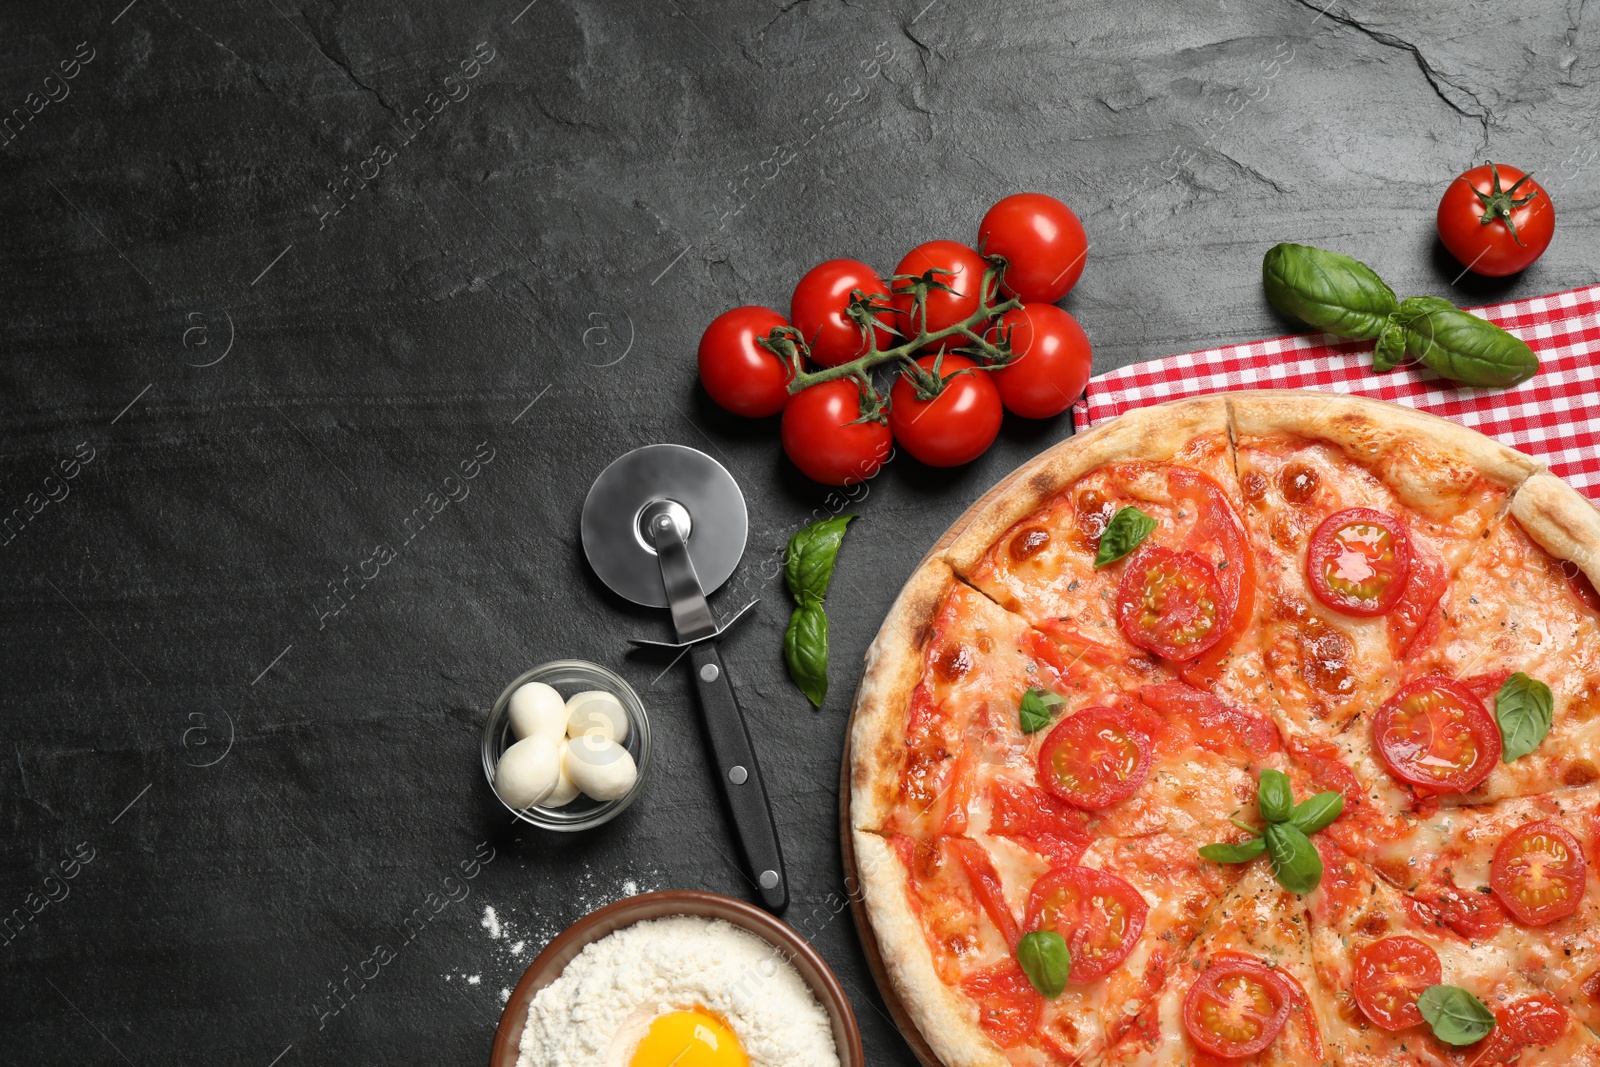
664, 525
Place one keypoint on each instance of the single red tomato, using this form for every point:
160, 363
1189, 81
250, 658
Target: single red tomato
1496, 220
1389, 977
819, 304
738, 373
1237, 1006
954, 265
1050, 361
1097, 914
953, 428
1581, 586
1539, 873
1435, 733
1094, 758
821, 435
1358, 561
1169, 603
1043, 243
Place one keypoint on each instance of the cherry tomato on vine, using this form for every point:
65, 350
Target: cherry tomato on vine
953, 428
1496, 220
960, 268
821, 435
819, 304
1043, 243
1051, 361
740, 375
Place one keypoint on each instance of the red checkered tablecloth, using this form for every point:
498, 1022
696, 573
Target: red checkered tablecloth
1554, 416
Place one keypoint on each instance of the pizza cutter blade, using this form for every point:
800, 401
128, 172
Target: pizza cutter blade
662, 526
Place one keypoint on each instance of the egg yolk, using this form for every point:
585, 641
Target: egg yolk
688, 1039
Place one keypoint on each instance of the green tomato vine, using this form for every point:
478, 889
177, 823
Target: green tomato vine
787, 344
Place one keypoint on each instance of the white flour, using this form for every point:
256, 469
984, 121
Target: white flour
595, 1013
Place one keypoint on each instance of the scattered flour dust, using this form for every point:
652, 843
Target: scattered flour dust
513, 947
596, 1012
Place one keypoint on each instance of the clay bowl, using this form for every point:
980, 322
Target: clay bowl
597, 924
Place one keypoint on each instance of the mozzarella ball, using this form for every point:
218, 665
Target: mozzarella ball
565, 792
597, 712
528, 771
536, 708
601, 768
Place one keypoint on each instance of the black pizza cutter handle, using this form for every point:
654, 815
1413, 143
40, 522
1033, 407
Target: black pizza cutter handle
739, 776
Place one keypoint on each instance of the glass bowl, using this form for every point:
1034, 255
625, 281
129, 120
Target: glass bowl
569, 676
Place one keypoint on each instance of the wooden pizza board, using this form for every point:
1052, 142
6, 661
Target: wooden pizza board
852, 879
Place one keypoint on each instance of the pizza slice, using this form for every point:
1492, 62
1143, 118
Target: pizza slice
1377, 953
1129, 551
1357, 513
1515, 608
1239, 992
941, 700
1515, 878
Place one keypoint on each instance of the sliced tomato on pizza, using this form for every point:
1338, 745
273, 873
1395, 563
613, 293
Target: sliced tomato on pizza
1516, 878
1180, 596
1378, 951
1516, 609
1353, 568
1238, 993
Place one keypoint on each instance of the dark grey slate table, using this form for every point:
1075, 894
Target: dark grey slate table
274, 271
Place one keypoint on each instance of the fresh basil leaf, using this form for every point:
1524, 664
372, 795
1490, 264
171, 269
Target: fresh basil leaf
1463, 347
1229, 852
1314, 813
1456, 1016
805, 649
1036, 707
1046, 961
1295, 862
1525, 708
1332, 292
1274, 796
1127, 528
808, 561
1390, 351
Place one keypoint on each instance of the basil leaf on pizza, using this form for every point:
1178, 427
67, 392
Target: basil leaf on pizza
1296, 863
1525, 710
1124, 533
1035, 710
1229, 852
1456, 1016
1047, 962
1274, 796
1317, 812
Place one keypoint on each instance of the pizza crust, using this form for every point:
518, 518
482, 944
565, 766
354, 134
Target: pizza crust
1561, 520
945, 1020
893, 668
1153, 433
1428, 461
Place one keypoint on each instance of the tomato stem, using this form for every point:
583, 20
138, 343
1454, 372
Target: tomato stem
787, 344
1499, 203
